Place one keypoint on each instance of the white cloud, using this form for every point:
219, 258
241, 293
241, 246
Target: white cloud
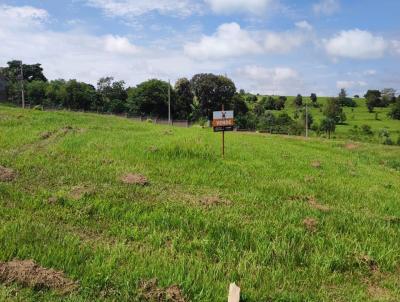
117, 44
283, 42
304, 25
21, 16
326, 7
350, 84
395, 44
279, 80
135, 8
229, 41
239, 6
81, 55
356, 44
370, 72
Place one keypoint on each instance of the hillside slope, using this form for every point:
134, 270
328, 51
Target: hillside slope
287, 219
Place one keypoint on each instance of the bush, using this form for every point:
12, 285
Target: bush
388, 141
367, 130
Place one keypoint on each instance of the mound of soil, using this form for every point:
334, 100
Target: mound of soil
316, 164
27, 273
134, 179
310, 224
7, 174
149, 291
209, 201
314, 204
351, 146
79, 192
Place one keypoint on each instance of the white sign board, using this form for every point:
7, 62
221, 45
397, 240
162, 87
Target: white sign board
220, 115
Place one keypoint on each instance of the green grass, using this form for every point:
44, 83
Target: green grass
356, 116
117, 234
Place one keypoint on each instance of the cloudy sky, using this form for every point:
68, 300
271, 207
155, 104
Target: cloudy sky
266, 46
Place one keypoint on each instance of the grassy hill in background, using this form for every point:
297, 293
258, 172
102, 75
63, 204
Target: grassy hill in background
356, 117
287, 219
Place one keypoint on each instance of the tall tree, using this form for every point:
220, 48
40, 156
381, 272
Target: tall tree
314, 98
298, 101
150, 98
328, 125
184, 99
334, 110
395, 110
213, 91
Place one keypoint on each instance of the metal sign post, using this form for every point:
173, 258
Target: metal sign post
223, 121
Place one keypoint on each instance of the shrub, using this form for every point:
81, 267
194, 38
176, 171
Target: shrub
367, 130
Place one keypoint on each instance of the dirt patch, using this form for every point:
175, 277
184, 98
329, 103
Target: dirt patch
27, 273
52, 200
79, 192
368, 262
378, 293
210, 201
314, 204
7, 174
310, 224
316, 164
134, 179
351, 146
149, 291
309, 179
152, 149
46, 135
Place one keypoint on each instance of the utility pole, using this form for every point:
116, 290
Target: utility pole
306, 119
169, 102
22, 86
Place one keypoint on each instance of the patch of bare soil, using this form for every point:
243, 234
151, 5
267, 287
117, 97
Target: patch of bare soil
309, 179
149, 291
378, 293
314, 204
134, 179
351, 146
78, 192
46, 134
316, 164
52, 200
310, 224
370, 263
153, 149
7, 174
210, 201
27, 273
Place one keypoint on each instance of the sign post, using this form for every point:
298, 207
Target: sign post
223, 121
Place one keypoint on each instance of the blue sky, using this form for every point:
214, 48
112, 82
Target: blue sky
266, 46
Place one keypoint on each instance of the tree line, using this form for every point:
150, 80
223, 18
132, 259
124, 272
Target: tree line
191, 99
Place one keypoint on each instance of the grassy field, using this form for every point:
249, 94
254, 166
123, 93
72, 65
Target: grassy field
287, 219
356, 116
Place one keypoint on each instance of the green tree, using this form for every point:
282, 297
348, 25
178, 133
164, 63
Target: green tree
333, 110
184, 99
298, 101
56, 94
36, 92
395, 110
213, 91
239, 105
328, 125
150, 98
314, 98
346, 101
373, 99
112, 95
79, 95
